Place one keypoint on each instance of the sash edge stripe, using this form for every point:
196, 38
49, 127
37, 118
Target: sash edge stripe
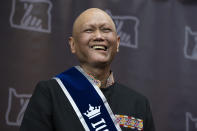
80, 116
102, 98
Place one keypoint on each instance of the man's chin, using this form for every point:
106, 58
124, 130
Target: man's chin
101, 64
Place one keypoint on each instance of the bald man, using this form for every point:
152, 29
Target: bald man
86, 97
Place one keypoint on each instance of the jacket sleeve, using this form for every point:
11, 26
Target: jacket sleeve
38, 116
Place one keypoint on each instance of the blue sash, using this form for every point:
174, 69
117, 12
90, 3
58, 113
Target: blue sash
87, 100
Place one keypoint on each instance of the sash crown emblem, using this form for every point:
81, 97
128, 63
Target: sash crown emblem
92, 111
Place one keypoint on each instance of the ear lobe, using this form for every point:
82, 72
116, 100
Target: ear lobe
72, 45
118, 43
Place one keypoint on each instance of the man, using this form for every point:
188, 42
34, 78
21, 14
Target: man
86, 97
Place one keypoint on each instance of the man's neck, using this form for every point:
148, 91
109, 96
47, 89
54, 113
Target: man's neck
100, 74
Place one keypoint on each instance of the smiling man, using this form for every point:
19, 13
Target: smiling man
95, 43
86, 97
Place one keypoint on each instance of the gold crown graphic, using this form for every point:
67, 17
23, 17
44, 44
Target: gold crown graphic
92, 111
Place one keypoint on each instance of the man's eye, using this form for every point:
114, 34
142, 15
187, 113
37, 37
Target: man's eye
106, 29
88, 30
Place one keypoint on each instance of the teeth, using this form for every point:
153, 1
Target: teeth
99, 47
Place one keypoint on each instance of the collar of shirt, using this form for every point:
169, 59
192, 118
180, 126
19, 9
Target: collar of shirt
110, 79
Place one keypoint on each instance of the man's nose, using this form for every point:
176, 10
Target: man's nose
98, 34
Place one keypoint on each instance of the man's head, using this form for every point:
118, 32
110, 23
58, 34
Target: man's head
94, 39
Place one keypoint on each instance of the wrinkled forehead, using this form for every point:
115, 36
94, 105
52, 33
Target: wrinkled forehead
92, 16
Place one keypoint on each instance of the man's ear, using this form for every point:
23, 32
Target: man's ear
118, 43
72, 45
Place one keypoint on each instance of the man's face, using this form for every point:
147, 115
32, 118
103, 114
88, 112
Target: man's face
94, 40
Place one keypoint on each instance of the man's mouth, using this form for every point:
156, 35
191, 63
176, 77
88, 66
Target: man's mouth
99, 47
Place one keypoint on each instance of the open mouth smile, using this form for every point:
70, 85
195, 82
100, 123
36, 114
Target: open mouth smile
99, 47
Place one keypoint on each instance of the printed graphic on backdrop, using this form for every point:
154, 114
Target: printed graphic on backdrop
34, 15
190, 48
17, 104
191, 122
127, 29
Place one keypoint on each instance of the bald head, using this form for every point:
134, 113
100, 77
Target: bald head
88, 15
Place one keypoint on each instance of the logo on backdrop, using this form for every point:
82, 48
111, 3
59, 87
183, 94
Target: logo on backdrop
191, 122
34, 15
190, 48
17, 104
127, 29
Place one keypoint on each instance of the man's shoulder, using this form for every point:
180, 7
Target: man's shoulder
129, 93
50, 85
